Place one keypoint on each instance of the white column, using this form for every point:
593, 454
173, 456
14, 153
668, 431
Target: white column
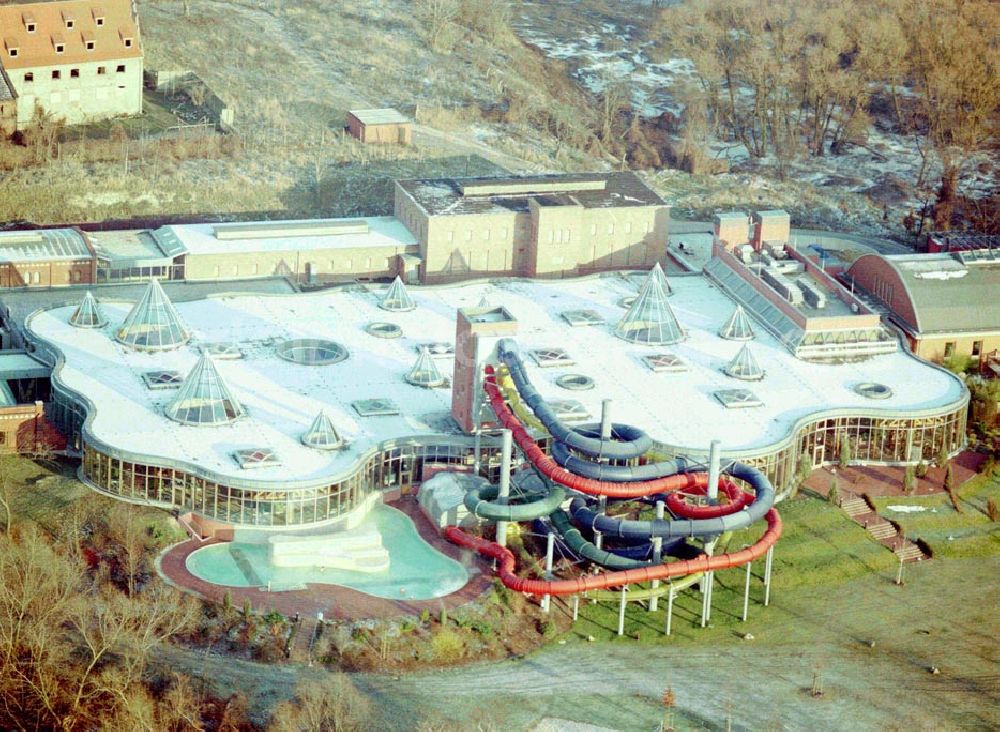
670, 609
576, 607
621, 611
746, 593
768, 561
504, 485
549, 556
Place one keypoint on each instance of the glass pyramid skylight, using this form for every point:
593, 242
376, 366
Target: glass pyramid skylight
397, 298
322, 435
650, 319
153, 323
744, 366
425, 372
88, 314
737, 328
204, 398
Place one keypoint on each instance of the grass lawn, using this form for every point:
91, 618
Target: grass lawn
820, 547
948, 532
158, 114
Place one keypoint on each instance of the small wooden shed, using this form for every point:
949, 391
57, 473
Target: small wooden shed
385, 126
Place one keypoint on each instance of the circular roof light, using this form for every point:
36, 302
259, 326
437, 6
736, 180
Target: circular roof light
311, 351
871, 390
384, 330
575, 382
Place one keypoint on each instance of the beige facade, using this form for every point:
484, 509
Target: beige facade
541, 226
77, 60
311, 265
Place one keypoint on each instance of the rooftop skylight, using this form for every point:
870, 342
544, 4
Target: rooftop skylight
396, 298
425, 372
579, 318
665, 362
650, 319
375, 407
384, 330
222, 351
153, 323
744, 366
88, 314
256, 457
311, 351
322, 435
569, 410
551, 357
204, 399
162, 379
575, 382
737, 398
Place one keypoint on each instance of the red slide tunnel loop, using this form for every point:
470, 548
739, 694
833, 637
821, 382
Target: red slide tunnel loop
738, 500
552, 470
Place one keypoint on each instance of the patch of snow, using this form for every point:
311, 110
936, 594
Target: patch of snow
906, 509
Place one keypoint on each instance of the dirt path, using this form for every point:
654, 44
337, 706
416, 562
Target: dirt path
946, 616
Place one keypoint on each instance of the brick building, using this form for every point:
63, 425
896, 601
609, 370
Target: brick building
78, 60
46, 258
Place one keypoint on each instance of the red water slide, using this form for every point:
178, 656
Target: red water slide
704, 563
560, 475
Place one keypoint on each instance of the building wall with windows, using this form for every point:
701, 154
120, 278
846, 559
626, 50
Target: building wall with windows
77, 60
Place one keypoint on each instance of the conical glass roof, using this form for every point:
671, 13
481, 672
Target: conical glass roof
153, 323
88, 314
425, 372
650, 319
737, 328
204, 398
322, 435
397, 298
744, 366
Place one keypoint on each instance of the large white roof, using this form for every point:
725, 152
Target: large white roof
283, 398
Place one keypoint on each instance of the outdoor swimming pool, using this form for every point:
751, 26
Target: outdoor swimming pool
417, 571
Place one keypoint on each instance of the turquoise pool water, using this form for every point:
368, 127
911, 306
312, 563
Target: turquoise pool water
416, 571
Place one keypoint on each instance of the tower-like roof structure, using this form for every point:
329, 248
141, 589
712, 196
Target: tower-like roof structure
737, 328
744, 366
88, 313
153, 324
204, 399
425, 372
322, 435
649, 319
396, 298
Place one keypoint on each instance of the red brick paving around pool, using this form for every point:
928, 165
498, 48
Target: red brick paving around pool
334, 601
884, 480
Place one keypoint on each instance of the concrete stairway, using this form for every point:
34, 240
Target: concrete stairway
300, 650
880, 529
855, 506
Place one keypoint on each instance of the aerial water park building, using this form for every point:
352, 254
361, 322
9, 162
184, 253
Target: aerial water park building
293, 411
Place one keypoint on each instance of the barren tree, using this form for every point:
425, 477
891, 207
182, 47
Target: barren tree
438, 19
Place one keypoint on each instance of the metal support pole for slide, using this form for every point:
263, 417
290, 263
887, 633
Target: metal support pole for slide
602, 501
746, 593
478, 461
670, 609
505, 457
657, 558
549, 554
621, 612
706, 597
598, 538
714, 471
576, 607
768, 561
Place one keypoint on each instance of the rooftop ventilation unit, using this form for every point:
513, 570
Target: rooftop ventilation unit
397, 299
153, 323
437, 349
744, 366
204, 399
737, 328
289, 229
322, 435
88, 314
649, 319
425, 372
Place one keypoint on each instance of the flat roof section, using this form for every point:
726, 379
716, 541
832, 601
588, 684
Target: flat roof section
42, 245
373, 232
385, 116
282, 398
493, 194
126, 249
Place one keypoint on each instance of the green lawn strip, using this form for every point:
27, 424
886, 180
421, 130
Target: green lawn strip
820, 547
948, 532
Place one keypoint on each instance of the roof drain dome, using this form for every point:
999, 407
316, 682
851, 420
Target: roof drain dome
204, 399
88, 314
425, 372
649, 319
737, 328
322, 435
396, 298
744, 366
153, 323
